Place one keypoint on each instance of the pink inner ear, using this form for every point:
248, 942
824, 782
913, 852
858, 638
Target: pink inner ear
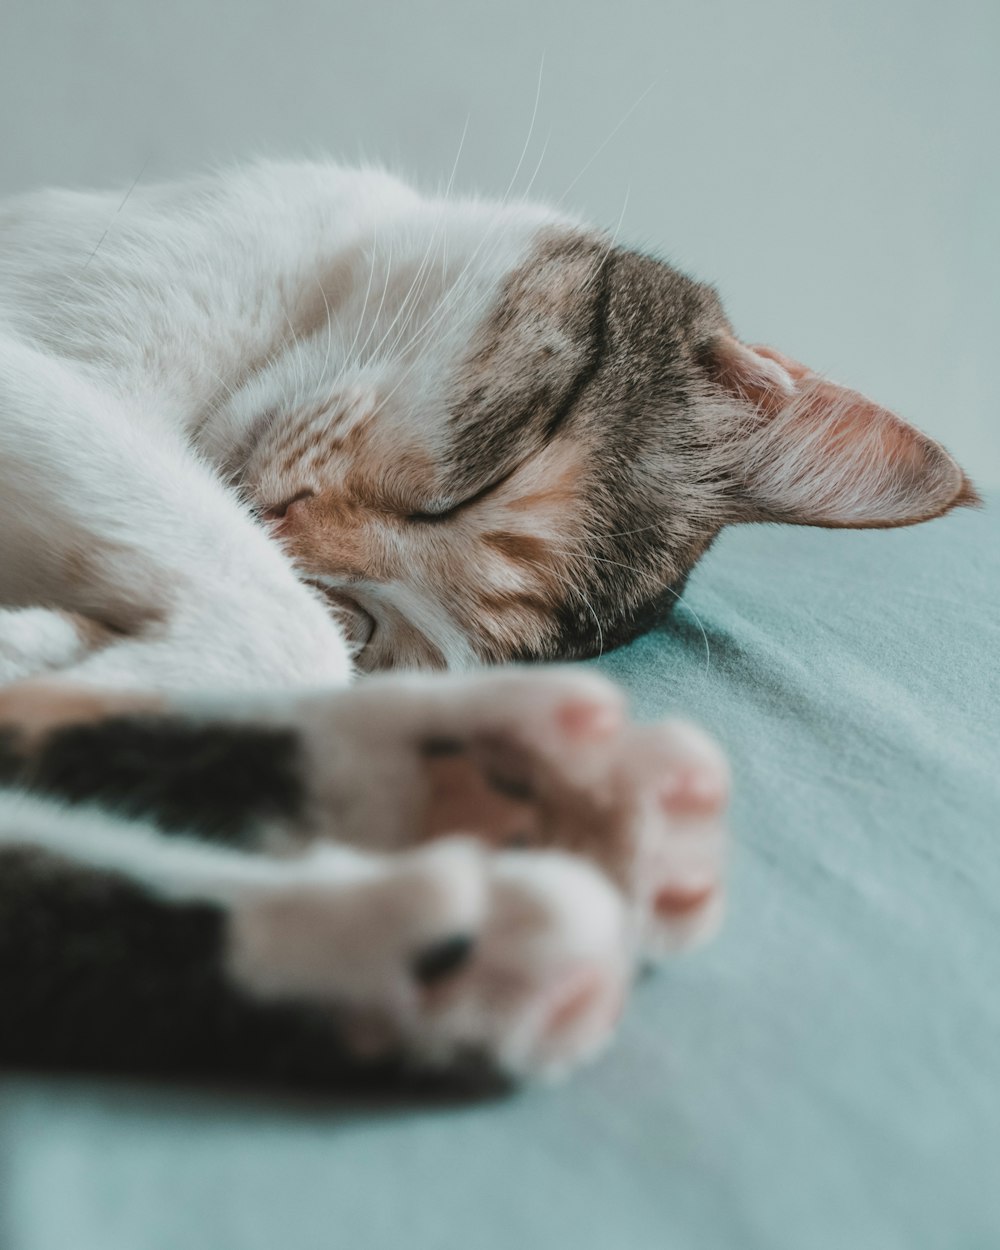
792, 367
759, 376
816, 453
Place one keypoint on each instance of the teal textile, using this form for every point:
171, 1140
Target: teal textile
826, 1075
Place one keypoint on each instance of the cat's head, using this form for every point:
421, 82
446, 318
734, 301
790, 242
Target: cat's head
493, 434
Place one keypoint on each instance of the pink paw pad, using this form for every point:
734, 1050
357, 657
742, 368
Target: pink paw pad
583, 720
694, 790
673, 902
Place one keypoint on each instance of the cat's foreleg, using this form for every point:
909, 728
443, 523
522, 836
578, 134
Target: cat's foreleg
541, 760
431, 950
106, 513
122, 945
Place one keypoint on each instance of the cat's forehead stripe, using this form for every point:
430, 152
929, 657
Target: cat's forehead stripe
533, 354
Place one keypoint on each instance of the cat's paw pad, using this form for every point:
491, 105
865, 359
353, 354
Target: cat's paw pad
444, 951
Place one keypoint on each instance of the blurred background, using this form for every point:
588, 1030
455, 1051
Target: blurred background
833, 166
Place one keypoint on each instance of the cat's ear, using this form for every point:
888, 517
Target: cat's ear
811, 452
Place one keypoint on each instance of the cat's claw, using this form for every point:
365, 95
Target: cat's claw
519, 958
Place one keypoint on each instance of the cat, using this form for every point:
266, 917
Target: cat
266, 429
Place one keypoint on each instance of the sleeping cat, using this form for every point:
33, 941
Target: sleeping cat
265, 429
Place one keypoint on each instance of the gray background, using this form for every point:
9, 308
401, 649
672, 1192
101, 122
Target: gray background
831, 165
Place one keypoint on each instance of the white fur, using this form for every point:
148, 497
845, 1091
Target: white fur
35, 640
142, 342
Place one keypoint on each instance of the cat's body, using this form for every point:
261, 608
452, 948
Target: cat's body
264, 427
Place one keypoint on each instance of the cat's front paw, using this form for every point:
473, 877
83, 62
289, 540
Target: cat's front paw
446, 951
537, 759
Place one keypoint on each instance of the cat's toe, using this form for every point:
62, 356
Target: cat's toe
544, 987
678, 779
560, 713
350, 929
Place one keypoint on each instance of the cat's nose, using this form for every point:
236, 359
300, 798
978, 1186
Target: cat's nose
294, 514
287, 514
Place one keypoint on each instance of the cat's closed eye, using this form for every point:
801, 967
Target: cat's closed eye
433, 516
445, 510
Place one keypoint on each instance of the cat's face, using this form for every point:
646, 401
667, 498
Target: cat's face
512, 439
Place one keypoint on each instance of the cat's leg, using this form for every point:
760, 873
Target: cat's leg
532, 758
122, 945
104, 512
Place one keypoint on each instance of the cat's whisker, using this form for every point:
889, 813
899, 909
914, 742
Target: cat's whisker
420, 337
413, 285
450, 299
378, 312
454, 293
329, 329
347, 358
655, 83
681, 602
531, 131
349, 354
433, 319
611, 245
216, 404
426, 329
443, 202
523, 197
548, 571
76, 278
456, 288
300, 376
418, 275
437, 314
643, 529
590, 608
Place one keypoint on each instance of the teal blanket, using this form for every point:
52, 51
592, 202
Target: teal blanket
826, 1075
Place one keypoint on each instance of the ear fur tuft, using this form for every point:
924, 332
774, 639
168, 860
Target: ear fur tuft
811, 452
